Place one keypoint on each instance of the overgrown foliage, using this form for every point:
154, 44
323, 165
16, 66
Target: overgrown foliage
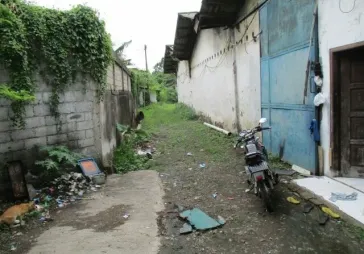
57, 44
163, 84
125, 157
57, 158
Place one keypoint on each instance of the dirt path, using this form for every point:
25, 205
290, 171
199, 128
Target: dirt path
97, 225
249, 228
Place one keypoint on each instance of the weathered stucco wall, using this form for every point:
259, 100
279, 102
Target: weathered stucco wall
212, 88
336, 29
84, 123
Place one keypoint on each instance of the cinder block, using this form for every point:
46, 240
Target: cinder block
4, 102
46, 97
56, 139
45, 131
84, 125
84, 106
67, 108
90, 133
22, 134
30, 143
38, 99
34, 122
78, 117
42, 110
73, 96
4, 137
76, 135
86, 142
29, 111
50, 120
88, 116
4, 113
67, 127
12, 146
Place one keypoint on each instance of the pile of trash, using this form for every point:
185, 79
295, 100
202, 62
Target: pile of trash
64, 190
146, 150
71, 187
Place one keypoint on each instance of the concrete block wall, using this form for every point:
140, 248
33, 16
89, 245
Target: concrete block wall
79, 126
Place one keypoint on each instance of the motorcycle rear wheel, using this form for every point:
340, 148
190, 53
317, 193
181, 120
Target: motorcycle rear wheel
266, 196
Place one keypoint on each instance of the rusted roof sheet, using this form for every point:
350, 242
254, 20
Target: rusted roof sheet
170, 62
185, 37
219, 13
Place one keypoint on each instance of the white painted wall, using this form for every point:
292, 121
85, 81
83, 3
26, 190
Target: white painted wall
153, 96
335, 29
211, 90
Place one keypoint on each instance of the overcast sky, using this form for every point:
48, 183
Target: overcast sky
144, 21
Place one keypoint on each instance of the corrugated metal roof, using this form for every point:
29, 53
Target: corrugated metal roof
219, 13
185, 37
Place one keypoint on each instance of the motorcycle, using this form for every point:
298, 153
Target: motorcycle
260, 177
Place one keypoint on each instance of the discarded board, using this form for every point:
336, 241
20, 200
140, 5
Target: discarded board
300, 170
16, 174
200, 220
89, 167
284, 172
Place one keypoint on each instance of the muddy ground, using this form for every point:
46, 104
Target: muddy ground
249, 228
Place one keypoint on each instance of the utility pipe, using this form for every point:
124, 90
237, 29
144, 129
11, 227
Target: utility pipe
218, 129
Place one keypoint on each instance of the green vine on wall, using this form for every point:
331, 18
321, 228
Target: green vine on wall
59, 45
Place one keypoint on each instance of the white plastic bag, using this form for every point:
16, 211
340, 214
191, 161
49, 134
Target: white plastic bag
318, 81
319, 99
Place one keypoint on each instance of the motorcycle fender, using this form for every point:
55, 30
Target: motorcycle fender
259, 173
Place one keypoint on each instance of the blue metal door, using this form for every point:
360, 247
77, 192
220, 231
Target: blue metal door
286, 28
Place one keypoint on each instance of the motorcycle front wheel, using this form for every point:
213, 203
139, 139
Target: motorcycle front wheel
266, 196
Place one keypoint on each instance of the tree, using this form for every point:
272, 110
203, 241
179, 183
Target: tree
120, 52
159, 66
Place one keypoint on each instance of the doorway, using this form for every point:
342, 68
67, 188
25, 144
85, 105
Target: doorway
347, 114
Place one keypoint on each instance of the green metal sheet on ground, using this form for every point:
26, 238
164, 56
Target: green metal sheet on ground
200, 220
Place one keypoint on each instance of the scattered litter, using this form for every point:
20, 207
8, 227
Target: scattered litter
186, 229
221, 220
328, 211
307, 207
284, 181
200, 220
147, 153
214, 195
126, 216
190, 169
247, 190
335, 196
230, 198
39, 208
13, 248
19, 234
189, 154
202, 165
293, 200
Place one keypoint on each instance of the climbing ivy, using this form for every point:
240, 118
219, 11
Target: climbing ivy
59, 45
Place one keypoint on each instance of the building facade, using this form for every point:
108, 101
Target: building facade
242, 60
